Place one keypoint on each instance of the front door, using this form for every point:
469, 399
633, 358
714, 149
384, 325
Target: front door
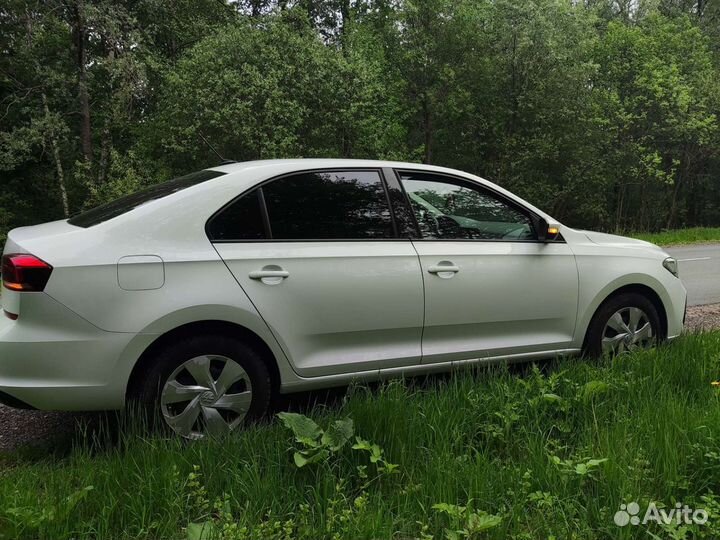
318, 254
491, 289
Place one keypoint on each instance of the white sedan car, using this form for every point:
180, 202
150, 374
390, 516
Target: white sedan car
205, 295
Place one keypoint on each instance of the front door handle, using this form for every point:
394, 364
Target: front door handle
444, 269
259, 274
270, 275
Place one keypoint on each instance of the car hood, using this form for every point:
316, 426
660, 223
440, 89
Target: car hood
605, 239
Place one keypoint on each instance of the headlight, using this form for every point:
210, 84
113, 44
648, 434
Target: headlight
671, 266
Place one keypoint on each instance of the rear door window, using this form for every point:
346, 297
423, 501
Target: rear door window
329, 205
320, 205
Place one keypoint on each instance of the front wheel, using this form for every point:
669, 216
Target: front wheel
623, 323
206, 385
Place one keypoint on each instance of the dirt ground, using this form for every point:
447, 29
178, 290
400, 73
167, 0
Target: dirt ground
22, 428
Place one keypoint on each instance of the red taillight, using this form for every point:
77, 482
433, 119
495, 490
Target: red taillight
23, 272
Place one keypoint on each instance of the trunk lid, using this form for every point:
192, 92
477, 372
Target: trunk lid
34, 238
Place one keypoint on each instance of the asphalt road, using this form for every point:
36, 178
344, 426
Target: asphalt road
700, 272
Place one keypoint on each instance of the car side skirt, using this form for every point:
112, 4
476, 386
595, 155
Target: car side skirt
301, 384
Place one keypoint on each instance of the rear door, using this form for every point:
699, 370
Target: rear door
318, 253
491, 289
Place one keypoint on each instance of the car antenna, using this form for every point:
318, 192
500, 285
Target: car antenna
222, 159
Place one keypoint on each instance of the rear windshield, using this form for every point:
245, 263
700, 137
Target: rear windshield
122, 205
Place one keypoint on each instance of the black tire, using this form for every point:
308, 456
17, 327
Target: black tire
145, 396
594, 337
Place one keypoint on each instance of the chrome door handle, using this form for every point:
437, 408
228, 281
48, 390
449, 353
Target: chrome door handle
440, 268
260, 274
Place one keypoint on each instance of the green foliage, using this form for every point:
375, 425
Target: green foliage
606, 114
466, 522
318, 445
377, 456
27, 521
126, 174
697, 235
4, 222
551, 452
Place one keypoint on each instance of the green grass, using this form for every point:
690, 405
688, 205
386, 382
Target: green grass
504, 443
678, 237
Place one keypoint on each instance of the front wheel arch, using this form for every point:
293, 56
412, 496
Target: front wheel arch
642, 290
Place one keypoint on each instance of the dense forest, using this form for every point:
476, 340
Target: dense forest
605, 113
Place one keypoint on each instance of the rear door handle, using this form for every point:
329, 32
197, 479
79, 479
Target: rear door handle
270, 274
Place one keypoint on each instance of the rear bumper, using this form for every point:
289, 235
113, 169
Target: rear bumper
55, 360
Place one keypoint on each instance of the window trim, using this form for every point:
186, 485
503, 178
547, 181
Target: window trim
401, 203
534, 217
266, 217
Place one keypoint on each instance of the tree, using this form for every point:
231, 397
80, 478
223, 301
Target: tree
659, 106
603, 112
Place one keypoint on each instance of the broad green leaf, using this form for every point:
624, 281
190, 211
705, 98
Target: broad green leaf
307, 457
452, 510
361, 444
482, 521
200, 531
305, 430
338, 434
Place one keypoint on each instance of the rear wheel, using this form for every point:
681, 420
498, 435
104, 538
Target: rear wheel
623, 323
206, 385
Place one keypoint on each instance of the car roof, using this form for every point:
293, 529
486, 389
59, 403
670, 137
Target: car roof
323, 163
277, 167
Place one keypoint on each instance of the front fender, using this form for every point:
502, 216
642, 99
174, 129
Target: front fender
600, 277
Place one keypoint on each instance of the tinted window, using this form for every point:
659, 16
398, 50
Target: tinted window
446, 209
328, 205
125, 204
242, 220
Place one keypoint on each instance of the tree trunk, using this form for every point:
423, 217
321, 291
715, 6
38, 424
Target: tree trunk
673, 204
105, 145
619, 210
344, 22
427, 129
514, 101
79, 35
52, 138
106, 134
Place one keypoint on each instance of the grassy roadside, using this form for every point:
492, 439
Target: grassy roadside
549, 453
679, 237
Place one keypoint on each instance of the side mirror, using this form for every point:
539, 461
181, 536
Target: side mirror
547, 232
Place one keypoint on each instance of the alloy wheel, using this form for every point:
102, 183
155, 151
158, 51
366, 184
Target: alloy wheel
207, 394
628, 329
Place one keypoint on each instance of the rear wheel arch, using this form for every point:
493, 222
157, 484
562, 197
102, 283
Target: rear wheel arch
635, 288
208, 327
